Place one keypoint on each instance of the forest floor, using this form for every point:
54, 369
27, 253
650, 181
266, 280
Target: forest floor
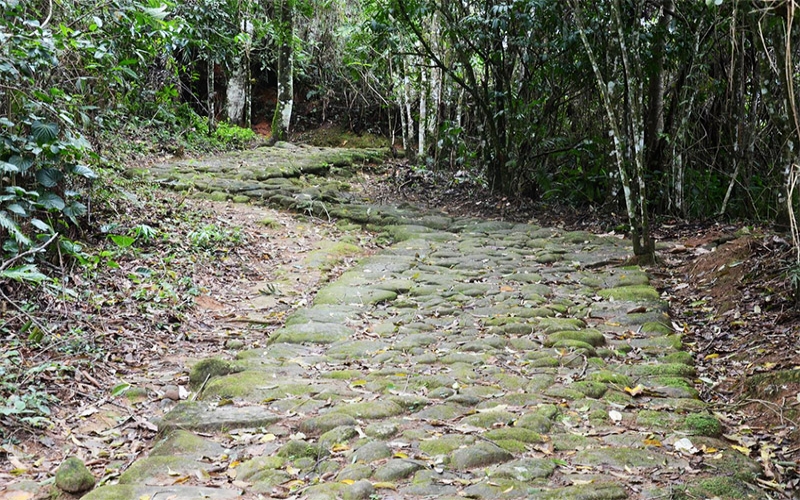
725, 285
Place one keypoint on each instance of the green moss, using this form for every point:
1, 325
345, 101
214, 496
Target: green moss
590, 336
343, 375
681, 357
298, 449
703, 424
722, 487
444, 445
609, 377
270, 223
510, 445
676, 382
514, 433
590, 389
218, 196
663, 370
209, 368
657, 328
634, 293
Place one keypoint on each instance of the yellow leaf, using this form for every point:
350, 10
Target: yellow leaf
144, 497
708, 449
384, 486
507, 490
506, 288
712, 356
291, 470
635, 391
744, 450
358, 383
339, 447
234, 464
400, 454
294, 483
268, 438
652, 442
347, 481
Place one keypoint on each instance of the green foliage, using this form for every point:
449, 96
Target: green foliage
213, 237
231, 136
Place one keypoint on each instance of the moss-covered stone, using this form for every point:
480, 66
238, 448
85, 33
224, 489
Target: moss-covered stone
725, 487
445, 445
185, 442
703, 424
256, 465
73, 476
590, 389
479, 455
514, 433
324, 423
609, 377
633, 293
211, 367
589, 336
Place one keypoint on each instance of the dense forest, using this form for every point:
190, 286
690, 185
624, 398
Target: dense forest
651, 107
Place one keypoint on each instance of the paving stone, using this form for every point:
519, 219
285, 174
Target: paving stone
479, 455
200, 416
397, 469
372, 452
326, 422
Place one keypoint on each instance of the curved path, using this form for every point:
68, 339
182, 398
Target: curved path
469, 358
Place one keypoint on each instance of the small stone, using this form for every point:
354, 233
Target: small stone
396, 469
325, 423
479, 455
381, 430
73, 476
360, 490
373, 451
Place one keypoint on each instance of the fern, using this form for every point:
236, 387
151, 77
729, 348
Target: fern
13, 229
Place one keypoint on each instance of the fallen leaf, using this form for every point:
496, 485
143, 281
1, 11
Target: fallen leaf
615, 416
347, 481
684, 445
652, 442
384, 486
744, 450
400, 454
639, 389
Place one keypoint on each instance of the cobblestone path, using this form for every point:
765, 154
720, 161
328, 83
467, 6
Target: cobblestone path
469, 358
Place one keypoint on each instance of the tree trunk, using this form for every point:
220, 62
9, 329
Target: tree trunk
212, 115
423, 113
283, 108
654, 123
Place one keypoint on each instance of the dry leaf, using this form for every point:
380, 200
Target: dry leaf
652, 442
347, 481
684, 445
744, 450
639, 389
384, 486
615, 416
400, 454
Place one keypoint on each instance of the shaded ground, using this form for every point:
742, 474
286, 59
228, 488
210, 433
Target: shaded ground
469, 363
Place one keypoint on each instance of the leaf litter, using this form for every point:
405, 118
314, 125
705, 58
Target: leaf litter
186, 294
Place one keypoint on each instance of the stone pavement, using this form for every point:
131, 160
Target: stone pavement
469, 358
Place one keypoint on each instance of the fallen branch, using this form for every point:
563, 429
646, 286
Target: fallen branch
31, 251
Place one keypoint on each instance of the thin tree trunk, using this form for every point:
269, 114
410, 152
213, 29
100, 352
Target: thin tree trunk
283, 109
423, 110
212, 124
